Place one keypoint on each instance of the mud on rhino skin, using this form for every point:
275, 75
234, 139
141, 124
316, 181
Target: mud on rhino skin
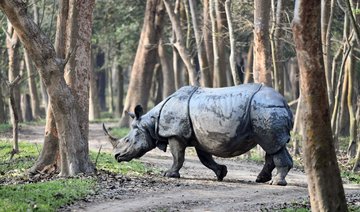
224, 122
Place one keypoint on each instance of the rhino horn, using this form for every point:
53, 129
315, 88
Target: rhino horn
112, 139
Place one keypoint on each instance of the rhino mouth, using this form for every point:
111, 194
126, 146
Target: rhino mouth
122, 158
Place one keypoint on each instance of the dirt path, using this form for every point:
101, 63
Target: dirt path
196, 190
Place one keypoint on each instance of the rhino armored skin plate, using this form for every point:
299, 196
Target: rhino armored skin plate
224, 122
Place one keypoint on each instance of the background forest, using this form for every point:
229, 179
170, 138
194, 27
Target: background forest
142, 51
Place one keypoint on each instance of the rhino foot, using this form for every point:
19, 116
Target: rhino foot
172, 174
263, 178
221, 172
280, 182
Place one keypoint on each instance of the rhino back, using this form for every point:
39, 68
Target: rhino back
220, 119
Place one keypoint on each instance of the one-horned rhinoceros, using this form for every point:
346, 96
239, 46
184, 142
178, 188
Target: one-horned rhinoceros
224, 122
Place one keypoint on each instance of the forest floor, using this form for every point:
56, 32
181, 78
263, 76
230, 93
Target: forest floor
196, 190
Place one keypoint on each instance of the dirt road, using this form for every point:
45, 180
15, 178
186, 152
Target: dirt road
196, 190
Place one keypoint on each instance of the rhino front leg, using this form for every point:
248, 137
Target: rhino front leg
177, 149
283, 163
208, 161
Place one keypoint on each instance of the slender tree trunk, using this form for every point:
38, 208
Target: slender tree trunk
206, 30
35, 103
356, 167
119, 106
15, 120
94, 107
351, 151
145, 59
180, 45
324, 181
249, 65
327, 10
218, 76
201, 52
3, 117
221, 25
262, 56
233, 53
276, 45
13, 47
167, 71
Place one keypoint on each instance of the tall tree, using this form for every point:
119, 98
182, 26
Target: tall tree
72, 148
35, 102
145, 59
324, 181
262, 54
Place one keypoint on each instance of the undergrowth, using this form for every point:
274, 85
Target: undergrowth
18, 193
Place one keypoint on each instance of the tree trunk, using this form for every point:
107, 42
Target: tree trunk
26, 107
35, 103
73, 149
324, 181
167, 71
13, 47
351, 151
3, 117
262, 56
15, 120
233, 53
157, 85
78, 43
327, 10
145, 59
94, 107
277, 45
201, 52
180, 45
356, 167
218, 25
207, 39
119, 106
249, 65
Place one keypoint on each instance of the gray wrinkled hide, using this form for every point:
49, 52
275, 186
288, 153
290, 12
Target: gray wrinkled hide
225, 121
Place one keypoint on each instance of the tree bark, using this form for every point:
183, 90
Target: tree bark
167, 71
262, 56
119, 105
206, 31
94, 107
145, 59
324, 181
35, 103
180, 45
249, 65
73, 148
201, 52
13, 47
15, 120
233, 53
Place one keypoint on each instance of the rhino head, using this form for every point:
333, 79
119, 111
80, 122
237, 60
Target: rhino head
139, 139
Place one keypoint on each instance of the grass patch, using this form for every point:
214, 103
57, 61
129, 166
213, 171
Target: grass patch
50, 195
44, 196
20, 162
5, 128
106, 161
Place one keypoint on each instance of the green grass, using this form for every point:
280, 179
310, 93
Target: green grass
44, 196
5, 128
20, 162
107, 162
50, 195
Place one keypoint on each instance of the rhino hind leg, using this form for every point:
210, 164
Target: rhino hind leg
208, 161
265, 174
177, 149
283, 163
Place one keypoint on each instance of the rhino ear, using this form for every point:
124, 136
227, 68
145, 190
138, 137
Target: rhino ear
138, 111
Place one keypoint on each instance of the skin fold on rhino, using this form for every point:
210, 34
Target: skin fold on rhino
224, 122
